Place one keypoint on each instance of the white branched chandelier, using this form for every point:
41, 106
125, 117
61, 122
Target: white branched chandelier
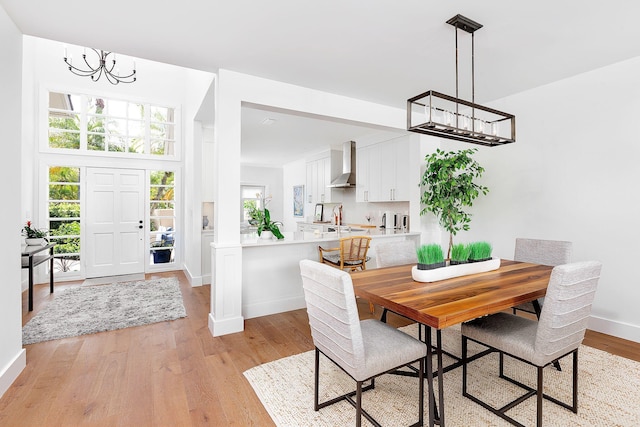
102, 68
433, 113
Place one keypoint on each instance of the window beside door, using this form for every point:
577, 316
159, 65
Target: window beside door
162, 217
64, 217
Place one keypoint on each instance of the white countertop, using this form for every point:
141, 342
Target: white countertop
298, 237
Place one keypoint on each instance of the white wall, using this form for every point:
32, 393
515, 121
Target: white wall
573, 175
12, 356
293, 173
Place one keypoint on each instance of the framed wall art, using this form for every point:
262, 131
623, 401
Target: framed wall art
298, 200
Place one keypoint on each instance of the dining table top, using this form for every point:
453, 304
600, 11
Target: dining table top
451, 301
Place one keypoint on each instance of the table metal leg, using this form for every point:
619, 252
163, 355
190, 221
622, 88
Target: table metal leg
440, 376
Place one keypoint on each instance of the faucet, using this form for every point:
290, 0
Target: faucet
337, 217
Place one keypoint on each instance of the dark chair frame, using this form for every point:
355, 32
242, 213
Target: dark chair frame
538, 391
360, 387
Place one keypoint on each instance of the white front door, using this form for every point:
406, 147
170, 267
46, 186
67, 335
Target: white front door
115, 222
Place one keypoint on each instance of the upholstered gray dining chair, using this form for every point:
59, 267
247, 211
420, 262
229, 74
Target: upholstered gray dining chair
363, 349
395, 253
545, 252
558, 333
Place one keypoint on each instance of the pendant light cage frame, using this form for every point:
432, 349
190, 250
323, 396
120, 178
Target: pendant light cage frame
434, 113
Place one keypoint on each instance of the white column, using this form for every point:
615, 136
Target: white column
226, 290
226, 253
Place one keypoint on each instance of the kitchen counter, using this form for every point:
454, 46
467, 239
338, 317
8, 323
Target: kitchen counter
271, 281
299, 237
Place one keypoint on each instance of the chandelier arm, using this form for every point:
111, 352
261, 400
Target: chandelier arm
99, 72
111, 78
103, 68
79, 71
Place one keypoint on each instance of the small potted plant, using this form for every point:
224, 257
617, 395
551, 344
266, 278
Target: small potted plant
460, 254
480, 251
262, 219
430, 257
34, 236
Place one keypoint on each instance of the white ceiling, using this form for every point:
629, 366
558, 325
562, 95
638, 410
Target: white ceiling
375, 50
292, 136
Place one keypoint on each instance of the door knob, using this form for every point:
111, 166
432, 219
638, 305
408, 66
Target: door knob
140, 226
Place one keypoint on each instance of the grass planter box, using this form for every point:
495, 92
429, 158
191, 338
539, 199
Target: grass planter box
454, 270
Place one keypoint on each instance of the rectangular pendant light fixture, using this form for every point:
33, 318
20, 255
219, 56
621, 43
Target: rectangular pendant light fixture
444, 116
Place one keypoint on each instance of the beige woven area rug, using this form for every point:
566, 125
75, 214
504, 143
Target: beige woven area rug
608, 392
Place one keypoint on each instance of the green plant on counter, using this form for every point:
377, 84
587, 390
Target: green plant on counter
480, 251
430, 254
448, 183
460, 253
261, 218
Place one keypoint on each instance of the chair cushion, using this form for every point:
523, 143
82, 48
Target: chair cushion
515, 335
386, 348
335, 259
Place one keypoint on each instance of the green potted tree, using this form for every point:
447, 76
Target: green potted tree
449, 186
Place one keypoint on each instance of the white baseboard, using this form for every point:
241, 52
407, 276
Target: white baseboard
13, 369
206, 279
194, 281
272, 307
622, 330
225, 326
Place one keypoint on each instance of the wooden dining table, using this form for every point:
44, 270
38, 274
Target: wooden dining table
448, 302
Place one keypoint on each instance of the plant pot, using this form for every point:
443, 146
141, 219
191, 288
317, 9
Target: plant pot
266, 235
35, 241
452, 262
430, 266
161, 256
454, 270
480, 260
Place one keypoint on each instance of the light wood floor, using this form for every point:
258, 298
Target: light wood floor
167, 374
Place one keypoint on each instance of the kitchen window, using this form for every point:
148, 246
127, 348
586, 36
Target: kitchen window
251, 197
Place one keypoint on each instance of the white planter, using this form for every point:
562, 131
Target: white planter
34, 241
266, 235
454, 270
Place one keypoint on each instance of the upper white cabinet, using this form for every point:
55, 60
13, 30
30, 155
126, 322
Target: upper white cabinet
320, 172
383, 171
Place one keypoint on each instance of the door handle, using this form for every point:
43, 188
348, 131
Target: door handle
140, 226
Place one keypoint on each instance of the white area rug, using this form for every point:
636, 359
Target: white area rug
90, 309
609, 391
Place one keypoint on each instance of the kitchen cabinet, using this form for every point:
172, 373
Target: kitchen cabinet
362, 174
383, 172
320, 172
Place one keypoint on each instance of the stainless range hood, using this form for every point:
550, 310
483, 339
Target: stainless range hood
348, 177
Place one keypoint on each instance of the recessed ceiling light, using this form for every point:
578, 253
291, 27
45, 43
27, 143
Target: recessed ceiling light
268, 121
